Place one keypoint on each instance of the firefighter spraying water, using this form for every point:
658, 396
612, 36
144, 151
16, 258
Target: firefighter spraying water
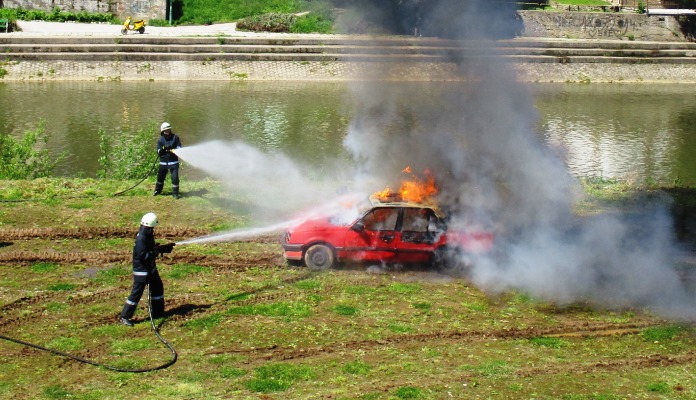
167, 144
145, 252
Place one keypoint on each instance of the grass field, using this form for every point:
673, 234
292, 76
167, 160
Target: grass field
246, 326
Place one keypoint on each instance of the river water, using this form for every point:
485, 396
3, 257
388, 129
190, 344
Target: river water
633, 132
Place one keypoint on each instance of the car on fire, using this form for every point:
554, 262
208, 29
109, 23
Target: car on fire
391, 231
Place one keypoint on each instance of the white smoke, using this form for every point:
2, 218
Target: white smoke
480, 143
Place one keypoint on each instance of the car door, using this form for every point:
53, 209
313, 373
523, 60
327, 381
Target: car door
417, 235
373, 237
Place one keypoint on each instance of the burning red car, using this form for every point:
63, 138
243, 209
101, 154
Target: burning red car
382, 229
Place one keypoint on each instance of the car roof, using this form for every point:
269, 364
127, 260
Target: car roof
395, 201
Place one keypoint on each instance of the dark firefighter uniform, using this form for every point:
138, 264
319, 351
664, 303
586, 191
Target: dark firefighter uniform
168, 161
144, 273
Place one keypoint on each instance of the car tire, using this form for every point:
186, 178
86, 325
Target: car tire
319, 257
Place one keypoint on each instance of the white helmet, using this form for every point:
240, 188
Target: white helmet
149, 219
165, 126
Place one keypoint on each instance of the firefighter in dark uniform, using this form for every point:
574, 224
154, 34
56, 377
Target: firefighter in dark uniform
168, 161
145, 273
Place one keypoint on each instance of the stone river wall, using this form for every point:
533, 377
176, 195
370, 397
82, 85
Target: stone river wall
43, 71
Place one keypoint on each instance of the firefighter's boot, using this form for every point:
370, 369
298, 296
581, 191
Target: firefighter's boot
128, 310
158, 188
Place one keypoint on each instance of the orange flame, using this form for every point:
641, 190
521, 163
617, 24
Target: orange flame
385, 194
415, 190
418, 190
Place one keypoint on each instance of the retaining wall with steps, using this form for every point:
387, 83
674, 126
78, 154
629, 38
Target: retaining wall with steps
144, 57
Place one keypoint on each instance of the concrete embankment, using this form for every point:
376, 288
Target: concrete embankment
230, 55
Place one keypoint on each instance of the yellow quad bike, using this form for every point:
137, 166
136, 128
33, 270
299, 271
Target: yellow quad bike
138, 26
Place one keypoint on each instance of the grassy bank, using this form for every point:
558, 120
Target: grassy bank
246, 326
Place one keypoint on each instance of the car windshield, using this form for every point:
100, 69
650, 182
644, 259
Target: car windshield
350, 211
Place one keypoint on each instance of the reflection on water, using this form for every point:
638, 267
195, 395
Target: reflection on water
302, 119
635, 132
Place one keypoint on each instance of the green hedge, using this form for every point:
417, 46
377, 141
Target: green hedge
14, 14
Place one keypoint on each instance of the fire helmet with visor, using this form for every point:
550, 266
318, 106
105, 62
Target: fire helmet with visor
150, 220
165, 126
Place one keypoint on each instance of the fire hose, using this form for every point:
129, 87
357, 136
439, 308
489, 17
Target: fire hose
154, 166
155, 329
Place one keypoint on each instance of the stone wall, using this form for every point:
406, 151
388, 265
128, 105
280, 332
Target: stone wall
226, 71
593, 25
146, 9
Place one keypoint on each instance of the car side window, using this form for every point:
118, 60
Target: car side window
381, 219
420, 225
416, 219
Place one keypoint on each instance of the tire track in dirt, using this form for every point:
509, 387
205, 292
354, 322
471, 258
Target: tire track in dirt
77, 298
648, 361
584, 330
234, 261
98, 257
93, 233
276, 353
626, 364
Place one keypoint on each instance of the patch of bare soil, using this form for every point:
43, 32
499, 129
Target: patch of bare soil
650, 361
94, 257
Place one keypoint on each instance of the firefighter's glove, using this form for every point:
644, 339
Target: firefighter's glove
164, 248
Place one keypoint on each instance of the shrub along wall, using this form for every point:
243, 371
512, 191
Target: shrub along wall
147, 9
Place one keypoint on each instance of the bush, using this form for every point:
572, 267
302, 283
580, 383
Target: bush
268, 23
20, 159
127, 155
56, 15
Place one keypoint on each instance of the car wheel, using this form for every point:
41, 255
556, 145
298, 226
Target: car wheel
319, 257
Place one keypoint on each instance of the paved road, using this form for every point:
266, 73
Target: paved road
39, 28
